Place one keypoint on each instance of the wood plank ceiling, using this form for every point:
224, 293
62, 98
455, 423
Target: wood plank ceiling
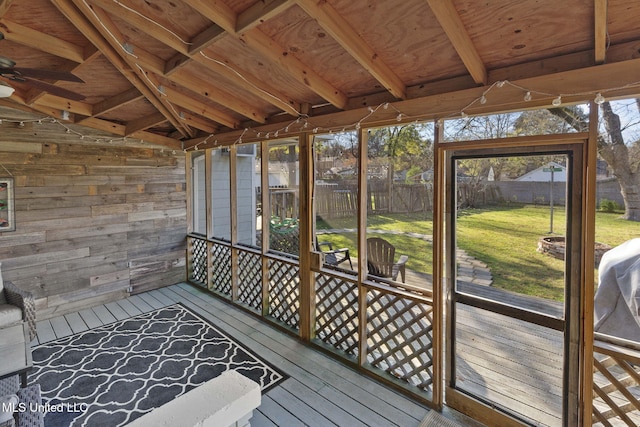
167, 70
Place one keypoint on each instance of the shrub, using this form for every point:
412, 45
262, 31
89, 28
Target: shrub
609, 206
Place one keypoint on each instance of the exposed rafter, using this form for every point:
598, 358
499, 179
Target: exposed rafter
112, 40
267, 47
42, 41
143, 123
116, 101
342, 32
4, 6
177, 43
98, 28
600, 20
450, 21
259, 12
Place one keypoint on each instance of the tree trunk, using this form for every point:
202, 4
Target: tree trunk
616, 154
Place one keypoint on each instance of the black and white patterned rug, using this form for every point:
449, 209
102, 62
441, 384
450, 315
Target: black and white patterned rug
113, 374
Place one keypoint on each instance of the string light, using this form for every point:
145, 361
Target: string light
302, 122
67, 129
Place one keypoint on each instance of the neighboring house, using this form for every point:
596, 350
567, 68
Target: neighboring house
543, 173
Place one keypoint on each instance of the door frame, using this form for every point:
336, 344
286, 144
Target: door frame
444, 270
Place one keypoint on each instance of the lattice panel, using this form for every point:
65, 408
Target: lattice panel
616, 386
399, 337
198, 261
284, 292
250, 279
337, 313
221, 268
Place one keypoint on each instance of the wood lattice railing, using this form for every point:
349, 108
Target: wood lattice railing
616, 382
398, 332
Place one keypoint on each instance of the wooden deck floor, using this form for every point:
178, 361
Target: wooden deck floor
320, 390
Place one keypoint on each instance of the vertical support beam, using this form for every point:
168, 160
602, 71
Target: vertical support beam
439, 197
208, 168
600, 29
307, 286
233, 193
363, 142
588, 234
188, 166
188, 171
266, 215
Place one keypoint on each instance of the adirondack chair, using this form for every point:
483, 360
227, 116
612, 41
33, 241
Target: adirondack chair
380, 259
334, 257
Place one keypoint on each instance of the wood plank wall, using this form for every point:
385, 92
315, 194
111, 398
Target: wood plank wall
95, 221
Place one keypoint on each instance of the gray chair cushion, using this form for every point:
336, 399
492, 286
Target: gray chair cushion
9, 315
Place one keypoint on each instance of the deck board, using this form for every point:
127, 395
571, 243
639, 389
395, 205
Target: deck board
76, 323
90, 318
321, 391
61, 327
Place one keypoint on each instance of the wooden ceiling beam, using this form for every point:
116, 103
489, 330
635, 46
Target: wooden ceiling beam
170, 38
199, 122
95, 123
205, 39
176, 42
144, 123
260, 12
116, 101
218, 96
4, 6
303, 73
600, 42
613, 80
341, 31
447, 15
248, 83
44, 42
100, 30
258, 41
187, 102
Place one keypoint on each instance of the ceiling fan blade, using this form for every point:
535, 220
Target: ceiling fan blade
54, 90
45, 74
6, 62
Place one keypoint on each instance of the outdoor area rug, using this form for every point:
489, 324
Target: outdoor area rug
114, 374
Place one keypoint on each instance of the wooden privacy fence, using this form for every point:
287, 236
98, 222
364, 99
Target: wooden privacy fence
341, 200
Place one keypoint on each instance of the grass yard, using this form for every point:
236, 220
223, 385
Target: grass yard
504, 237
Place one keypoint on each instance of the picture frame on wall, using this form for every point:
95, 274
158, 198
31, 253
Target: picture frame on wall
7, 209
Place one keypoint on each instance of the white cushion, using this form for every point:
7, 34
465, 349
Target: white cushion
9, 315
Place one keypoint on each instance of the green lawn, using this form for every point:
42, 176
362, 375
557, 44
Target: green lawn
505, 238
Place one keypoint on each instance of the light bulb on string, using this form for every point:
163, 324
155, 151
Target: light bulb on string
599, 99
483, 99
527, 97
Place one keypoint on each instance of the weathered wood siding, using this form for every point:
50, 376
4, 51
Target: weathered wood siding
95, 222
